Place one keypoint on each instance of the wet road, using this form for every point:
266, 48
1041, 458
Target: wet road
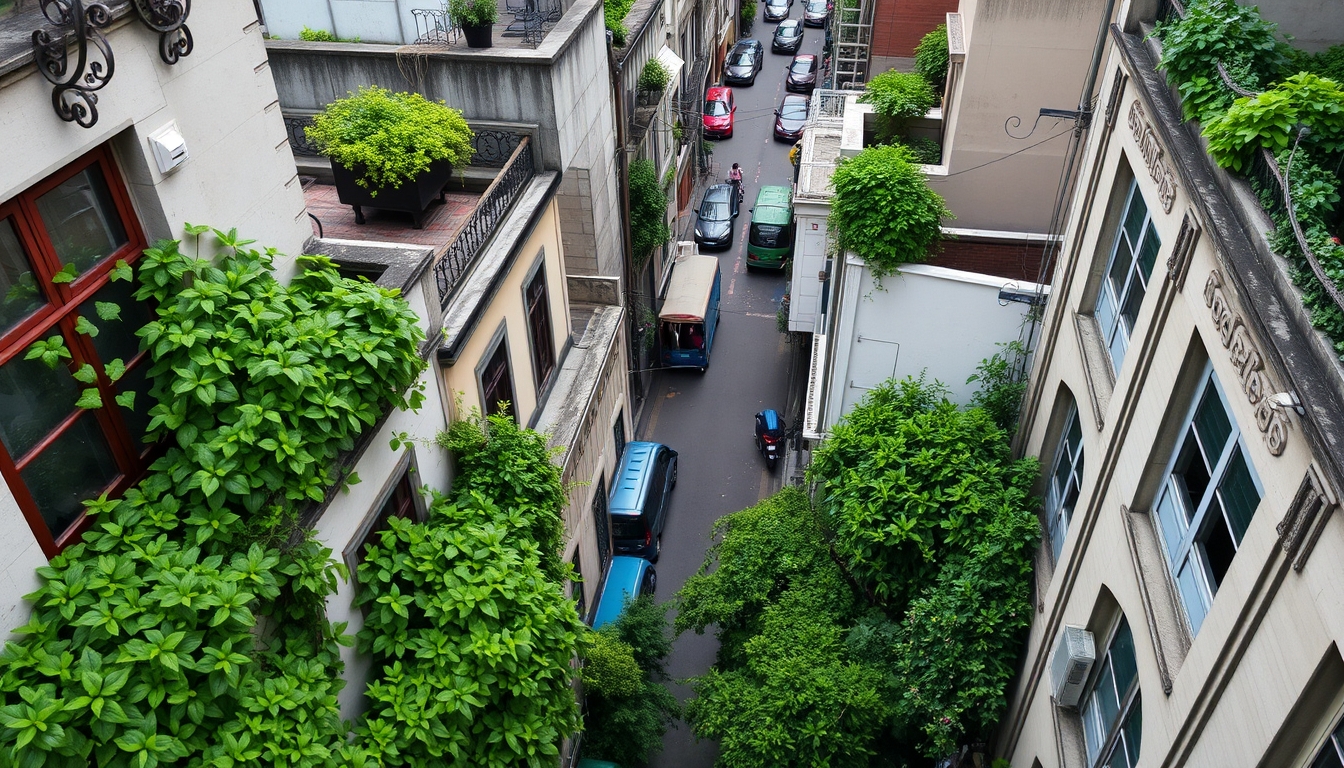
708, 418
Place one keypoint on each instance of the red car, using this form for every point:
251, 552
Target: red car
718, 115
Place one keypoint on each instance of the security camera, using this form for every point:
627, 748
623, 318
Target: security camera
1286, 401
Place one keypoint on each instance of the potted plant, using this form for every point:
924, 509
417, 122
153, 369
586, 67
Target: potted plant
652, 80
393, 151
476, 18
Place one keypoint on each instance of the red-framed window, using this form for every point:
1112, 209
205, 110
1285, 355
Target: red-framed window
77, 223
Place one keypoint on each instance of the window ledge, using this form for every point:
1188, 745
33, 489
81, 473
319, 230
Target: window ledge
1096, 366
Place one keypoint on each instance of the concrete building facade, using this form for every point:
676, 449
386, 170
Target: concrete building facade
1187, 499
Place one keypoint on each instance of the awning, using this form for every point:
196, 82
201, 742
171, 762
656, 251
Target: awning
688, 293
673, 64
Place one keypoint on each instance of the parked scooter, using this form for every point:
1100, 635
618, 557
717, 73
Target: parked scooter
770, 437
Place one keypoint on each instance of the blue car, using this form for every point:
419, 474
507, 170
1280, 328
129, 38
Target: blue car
626, 577
639, 498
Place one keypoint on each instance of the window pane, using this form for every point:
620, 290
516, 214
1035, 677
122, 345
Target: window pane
1148, 252
1121, 261
82, 220
1108, 702
1216, 544
1192, 594
1119, 343
33, 400
76, 467
1133, 301
1135, 215
1091, 728
136, 417
116, 339
1191, 475
19, 294
1106, 310
1173, 522
1134, 731
1329, 758
1213, 424
1122, 658
1238, 494
1075, 434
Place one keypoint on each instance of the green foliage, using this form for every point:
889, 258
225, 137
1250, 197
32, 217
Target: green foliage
748, 13
1328, 63
648, 210
473, 13
884, 209
614, 13
897, 98
189, 624
1214, 31
1273, 118
931, 57
629, 709
925, 150
50, 351
316, 35
471, 641
1001, 385
654, 76
388, 138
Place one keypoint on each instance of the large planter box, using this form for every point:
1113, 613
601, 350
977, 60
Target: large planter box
414, 196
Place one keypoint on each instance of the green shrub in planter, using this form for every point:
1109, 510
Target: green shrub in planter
390, 137
473, 13
654, 76
931, 56
898, 97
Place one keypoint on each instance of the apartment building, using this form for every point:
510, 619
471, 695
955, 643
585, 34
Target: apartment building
1186, 413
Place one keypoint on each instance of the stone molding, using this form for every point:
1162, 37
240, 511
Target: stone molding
1306, 517
1245, 355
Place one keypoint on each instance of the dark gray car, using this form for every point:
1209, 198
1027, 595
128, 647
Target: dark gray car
788, 37
714, 220
744, 62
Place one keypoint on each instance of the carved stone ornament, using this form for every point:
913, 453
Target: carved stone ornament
1245, 356
1151, 150
1178, 264
169, 19
76, 58
1306, 517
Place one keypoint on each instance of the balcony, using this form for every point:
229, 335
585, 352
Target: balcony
522, 23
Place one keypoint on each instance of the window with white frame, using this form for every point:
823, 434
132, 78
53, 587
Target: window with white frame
1332, 751
1112, 709
1065, 476
1133, 255
1207, 500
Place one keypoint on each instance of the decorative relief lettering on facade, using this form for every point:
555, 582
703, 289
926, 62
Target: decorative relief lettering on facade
1249, 363
1152, 152
1306, 517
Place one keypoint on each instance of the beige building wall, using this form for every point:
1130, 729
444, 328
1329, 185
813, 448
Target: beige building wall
1262, 680
507, 313
1021, 56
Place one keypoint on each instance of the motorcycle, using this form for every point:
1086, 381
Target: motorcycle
770, 437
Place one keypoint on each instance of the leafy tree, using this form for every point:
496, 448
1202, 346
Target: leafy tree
897, 98
1214, 31
629, 708
884, 210
648, 210
471, 638
1001, 388
1273, 119
931, 57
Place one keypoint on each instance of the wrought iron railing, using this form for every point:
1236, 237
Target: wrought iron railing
493, 206
434, 26
491, 147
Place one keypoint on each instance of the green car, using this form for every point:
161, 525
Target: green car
770, 237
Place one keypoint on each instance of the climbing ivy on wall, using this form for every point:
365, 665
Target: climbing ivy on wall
188, 626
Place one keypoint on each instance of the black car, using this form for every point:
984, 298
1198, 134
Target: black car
788, 37
802, 74
777, 10
815, 12
714, 220
744, 62
790, 117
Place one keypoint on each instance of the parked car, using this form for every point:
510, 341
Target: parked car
718, 114
644, 480
744, 62
626, 577
790, 117
816, 12
777, 10
802, 73
788, 37
714, 219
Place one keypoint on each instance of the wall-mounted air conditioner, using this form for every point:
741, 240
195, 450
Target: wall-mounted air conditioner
1070, 664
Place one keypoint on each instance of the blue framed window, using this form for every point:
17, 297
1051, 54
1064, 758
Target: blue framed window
1207, 500
1112, 709
1332, 752
1065, 477
1128, 271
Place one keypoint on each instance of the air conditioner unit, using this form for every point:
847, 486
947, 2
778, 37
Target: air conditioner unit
1069, 666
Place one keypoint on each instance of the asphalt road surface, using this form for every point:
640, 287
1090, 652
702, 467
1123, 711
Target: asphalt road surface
708, 417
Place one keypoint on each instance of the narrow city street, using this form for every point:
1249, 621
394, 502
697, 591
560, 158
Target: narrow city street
708, 418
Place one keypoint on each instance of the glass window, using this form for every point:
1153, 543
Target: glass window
1062, 493
618, 434
1207, 502
1332, 752
1127, 273
1111, 709
497, 381
539, 326
58, 243
716, 108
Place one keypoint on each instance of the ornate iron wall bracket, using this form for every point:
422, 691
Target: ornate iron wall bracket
76, 78
169, 19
